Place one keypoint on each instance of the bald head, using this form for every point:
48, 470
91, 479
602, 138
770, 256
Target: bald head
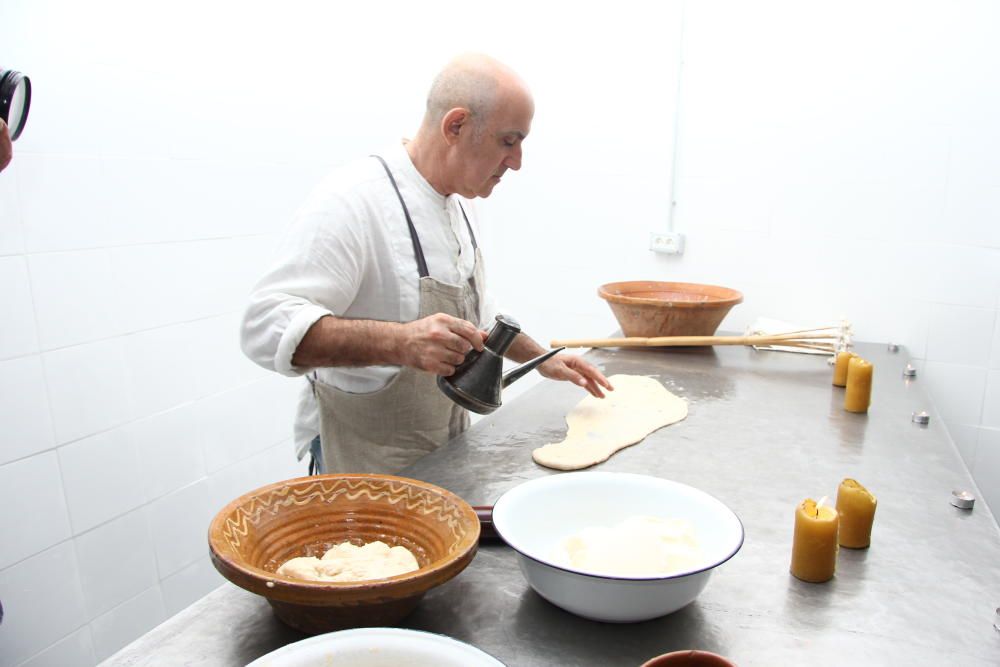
475, 82
478, 114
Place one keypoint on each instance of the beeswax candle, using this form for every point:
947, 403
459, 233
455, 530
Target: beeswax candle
858, 396
814, 544
856, 506
840, 368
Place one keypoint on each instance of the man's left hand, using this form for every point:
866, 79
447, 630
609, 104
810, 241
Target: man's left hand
574, 369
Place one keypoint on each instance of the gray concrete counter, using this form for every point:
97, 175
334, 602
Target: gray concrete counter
765, 430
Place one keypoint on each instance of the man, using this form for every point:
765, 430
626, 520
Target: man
6, 147
380, 287
6, 154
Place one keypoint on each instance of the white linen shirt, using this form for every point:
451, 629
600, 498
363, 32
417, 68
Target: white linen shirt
348, 253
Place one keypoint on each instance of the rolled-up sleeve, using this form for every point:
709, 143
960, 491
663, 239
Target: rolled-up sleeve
317, 273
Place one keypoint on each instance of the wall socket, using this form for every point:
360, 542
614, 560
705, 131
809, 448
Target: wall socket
669, 243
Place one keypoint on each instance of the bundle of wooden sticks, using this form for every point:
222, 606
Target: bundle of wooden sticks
824, 339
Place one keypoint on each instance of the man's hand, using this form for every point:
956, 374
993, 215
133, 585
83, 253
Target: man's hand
574, 369
439, 343
6, 148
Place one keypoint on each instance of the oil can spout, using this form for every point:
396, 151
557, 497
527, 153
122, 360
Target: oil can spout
515, 374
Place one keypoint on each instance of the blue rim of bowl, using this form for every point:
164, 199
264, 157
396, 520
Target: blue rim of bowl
317, 638
594, 575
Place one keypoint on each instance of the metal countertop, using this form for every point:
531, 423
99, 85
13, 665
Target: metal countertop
764, 431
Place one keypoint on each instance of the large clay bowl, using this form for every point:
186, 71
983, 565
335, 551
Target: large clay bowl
689, 659
648, 309
254, 534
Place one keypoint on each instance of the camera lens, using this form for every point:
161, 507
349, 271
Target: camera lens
15, 99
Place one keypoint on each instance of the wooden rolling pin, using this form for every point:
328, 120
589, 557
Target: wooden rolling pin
813, 341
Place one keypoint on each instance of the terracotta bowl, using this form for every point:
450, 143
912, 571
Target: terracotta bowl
254, 534
646, 308
689, 659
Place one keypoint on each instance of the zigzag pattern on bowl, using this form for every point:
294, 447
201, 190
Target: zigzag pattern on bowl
415, 499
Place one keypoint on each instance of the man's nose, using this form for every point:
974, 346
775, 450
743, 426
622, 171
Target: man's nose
513, 160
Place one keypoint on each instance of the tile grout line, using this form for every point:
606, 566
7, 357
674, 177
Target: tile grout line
144, 506
52, 429
147, 244
986, 388
85, 626
129, 421
103, 339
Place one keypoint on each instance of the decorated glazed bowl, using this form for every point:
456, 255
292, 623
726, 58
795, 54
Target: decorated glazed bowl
256, 533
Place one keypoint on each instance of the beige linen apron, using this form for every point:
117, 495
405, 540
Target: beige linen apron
386, 430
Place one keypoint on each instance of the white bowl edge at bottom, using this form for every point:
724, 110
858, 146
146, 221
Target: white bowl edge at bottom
612, 600
378, 647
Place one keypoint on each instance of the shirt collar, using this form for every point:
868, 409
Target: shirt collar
402, 162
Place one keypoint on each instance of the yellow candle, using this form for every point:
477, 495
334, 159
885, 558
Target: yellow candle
856, 506
858, 396
840, 368
814, 544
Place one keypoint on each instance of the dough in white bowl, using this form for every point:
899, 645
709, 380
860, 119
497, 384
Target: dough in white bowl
599, 427
638, 546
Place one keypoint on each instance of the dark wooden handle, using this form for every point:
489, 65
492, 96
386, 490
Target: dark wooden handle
486, 531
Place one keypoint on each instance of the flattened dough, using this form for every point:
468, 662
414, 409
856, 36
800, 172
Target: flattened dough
599, 427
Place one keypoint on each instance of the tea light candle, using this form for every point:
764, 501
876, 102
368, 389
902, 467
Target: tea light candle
963, 500
814, 544
840, 368
856, 507
858, 396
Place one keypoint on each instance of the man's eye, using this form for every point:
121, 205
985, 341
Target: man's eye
510, 142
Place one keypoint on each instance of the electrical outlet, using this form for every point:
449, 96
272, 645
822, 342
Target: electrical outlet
669, 243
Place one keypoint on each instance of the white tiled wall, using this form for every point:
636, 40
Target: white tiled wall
24, 410
170, 450
129, 415
42, 600
827, 176
89, 388
75, 650
108, 582
821, 169
188, 584
74, 297
16, 300
101, 477
31, 482
128, 620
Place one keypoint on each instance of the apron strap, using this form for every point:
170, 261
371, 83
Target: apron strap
471, 235
418, 251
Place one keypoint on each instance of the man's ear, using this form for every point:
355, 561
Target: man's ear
453, 123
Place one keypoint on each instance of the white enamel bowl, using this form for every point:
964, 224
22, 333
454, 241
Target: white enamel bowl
535, 517
378, 647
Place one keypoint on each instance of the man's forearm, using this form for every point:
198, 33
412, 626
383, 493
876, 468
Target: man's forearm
524, 348
333, 341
